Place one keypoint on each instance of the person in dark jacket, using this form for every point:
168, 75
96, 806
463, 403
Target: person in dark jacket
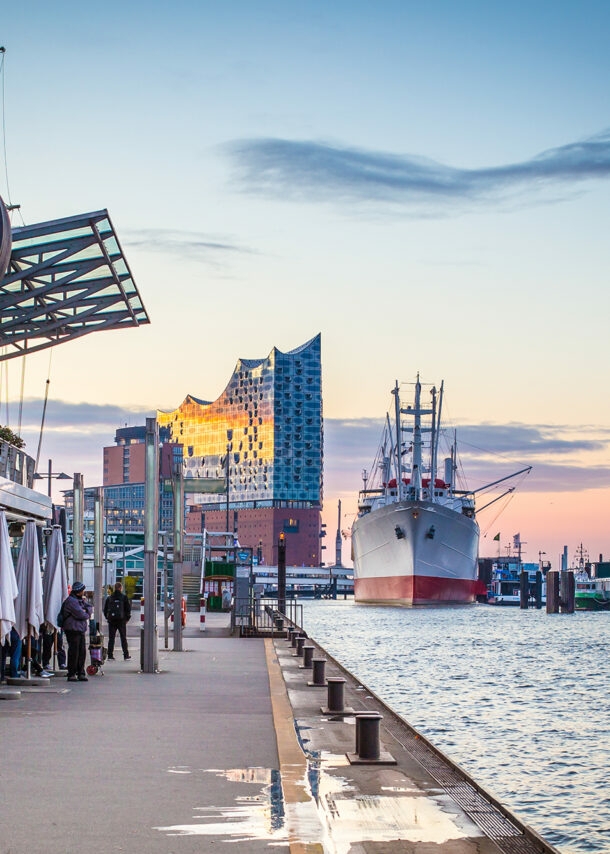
117, 610
77, 613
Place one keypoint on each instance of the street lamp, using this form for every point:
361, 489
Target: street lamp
50, 475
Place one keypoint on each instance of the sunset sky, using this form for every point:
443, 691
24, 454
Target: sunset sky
427, 185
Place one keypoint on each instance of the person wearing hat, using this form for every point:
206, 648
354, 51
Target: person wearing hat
76, 613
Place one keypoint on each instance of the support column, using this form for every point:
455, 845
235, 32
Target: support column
151, 525
77, 528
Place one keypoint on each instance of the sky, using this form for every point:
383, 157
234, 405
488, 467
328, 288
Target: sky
427, 185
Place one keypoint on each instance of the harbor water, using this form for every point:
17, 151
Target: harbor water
519, 699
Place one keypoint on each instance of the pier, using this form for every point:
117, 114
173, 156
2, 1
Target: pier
234, 741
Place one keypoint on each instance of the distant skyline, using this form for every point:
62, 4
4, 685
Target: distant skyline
434, 178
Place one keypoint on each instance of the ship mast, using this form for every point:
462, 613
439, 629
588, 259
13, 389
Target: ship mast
398, 441
416, 459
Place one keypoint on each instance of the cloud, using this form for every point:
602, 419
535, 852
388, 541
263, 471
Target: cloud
317, 171
188, 244
564, 458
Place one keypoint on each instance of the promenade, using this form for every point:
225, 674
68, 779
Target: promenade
226, 745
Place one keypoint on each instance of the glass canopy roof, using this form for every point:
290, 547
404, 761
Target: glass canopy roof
65, 278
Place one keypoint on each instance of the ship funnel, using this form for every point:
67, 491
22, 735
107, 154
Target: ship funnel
449, 471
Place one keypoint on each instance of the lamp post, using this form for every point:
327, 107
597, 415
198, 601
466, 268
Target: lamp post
229, 449
50, 475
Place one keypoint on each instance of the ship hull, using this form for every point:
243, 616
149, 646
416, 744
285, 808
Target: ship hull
415, 553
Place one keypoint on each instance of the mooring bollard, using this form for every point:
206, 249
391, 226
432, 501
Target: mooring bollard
359, 717
300, 644
279, 624
295, 635
367, 735
291, 631
308, 652
336, 686
319, 673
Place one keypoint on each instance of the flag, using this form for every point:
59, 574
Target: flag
497, 537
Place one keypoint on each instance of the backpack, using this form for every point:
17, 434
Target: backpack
61, 617
115, 608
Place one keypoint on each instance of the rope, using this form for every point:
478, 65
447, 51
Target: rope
21, 395
3, 75
44, 409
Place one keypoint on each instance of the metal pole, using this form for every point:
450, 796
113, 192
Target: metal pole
178, 488
77, 528
98, 553
165, 591
151, 524
49, 478
281, 574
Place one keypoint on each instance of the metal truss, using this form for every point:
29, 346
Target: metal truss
66, 278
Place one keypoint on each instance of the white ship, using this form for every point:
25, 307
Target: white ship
415, 540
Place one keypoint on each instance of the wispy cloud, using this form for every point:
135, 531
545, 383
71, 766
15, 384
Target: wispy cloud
189, 244
564, 458
317, 171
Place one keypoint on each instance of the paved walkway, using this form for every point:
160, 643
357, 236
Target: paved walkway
226, 745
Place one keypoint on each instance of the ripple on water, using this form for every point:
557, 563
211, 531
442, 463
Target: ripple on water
518, 698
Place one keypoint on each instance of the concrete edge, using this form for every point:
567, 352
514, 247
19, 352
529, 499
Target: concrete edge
293, 762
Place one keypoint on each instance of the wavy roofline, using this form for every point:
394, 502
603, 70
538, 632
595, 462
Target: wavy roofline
247, 364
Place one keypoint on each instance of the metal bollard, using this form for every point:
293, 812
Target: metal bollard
336, 686
367, 735
308, 652
279, 624
300, 644
319, 673
359, 717
295, 635
368, 750
290, 634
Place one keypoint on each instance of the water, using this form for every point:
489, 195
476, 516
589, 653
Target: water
519, 699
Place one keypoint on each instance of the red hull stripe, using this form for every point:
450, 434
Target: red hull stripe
418, 590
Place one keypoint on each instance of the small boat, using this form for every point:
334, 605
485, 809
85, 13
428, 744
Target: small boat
415, 539
591, 594
505, 585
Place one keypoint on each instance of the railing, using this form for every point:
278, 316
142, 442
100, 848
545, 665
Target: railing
257, 615
16, 465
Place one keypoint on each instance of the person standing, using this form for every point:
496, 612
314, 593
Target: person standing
117, 610
76, 615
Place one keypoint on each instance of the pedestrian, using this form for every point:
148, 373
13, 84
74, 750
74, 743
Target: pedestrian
76, 612
226, 599
11, 649
117, 610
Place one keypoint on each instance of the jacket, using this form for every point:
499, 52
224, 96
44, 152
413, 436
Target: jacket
77, 614
126, 606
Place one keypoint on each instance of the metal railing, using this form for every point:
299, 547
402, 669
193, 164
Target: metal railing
260, 615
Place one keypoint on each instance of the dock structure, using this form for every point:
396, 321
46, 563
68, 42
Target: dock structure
228, 743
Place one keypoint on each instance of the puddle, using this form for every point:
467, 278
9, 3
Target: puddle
332, 816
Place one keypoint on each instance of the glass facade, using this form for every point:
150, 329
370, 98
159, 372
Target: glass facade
269, 422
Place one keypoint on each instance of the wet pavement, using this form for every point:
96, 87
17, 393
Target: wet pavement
226, 745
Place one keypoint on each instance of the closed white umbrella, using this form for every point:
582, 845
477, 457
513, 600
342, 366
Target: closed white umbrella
8, 582
29, 613
54, 580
